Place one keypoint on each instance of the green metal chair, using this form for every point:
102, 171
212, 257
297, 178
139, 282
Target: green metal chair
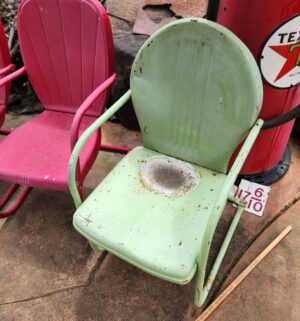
197, 93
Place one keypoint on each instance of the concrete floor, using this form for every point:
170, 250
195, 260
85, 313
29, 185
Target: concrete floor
48, 271
272, 291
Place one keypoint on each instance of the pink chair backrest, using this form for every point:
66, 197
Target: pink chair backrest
67, 50
4, 61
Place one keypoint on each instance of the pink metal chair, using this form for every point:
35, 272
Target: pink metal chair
5, 67
67, 50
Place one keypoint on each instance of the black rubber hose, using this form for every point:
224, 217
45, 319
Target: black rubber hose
212, 10
280, 120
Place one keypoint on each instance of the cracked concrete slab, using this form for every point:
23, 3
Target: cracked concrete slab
118, 292
272, 291
43, 260
41, 252
282, 195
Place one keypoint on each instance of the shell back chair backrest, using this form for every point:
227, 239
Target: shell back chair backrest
4, 62
197, 91
67, 50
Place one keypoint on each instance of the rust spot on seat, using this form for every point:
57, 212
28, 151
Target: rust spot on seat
168, 176
87, 220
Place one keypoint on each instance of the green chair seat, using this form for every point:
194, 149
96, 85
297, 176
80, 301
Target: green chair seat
154, 230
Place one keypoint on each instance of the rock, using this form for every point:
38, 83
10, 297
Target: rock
125, 10
126, 45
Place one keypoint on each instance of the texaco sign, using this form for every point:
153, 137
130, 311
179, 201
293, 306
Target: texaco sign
280, 57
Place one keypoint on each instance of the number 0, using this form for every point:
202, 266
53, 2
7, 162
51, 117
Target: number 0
257, 206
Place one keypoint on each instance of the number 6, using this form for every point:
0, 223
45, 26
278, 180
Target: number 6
259, 192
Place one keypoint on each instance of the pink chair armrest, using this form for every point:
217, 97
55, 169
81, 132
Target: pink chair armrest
85, 105
12, 76
7, 69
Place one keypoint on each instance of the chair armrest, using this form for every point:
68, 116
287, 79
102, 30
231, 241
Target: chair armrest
225, 194
7, 69
83, 139
12, 76
240, 160
244, 152
238, 164
85, 105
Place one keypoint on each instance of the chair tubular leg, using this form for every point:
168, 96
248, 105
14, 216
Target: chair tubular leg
17, 202
115, 149
201, 292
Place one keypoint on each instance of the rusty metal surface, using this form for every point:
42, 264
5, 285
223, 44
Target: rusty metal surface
169, 176
153, 14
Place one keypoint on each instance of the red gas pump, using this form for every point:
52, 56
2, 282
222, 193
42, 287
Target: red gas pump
271, 30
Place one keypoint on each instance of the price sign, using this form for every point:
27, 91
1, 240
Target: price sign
255, 195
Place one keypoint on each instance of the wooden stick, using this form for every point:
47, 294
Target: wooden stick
242, 276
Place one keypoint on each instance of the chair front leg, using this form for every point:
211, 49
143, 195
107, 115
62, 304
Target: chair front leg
202, 290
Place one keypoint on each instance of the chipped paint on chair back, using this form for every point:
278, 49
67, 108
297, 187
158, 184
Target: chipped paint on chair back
197, 91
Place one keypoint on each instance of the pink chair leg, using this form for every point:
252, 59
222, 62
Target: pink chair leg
8, 194
115, 149
17, 203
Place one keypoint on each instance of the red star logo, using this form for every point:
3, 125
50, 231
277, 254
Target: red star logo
291, 53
